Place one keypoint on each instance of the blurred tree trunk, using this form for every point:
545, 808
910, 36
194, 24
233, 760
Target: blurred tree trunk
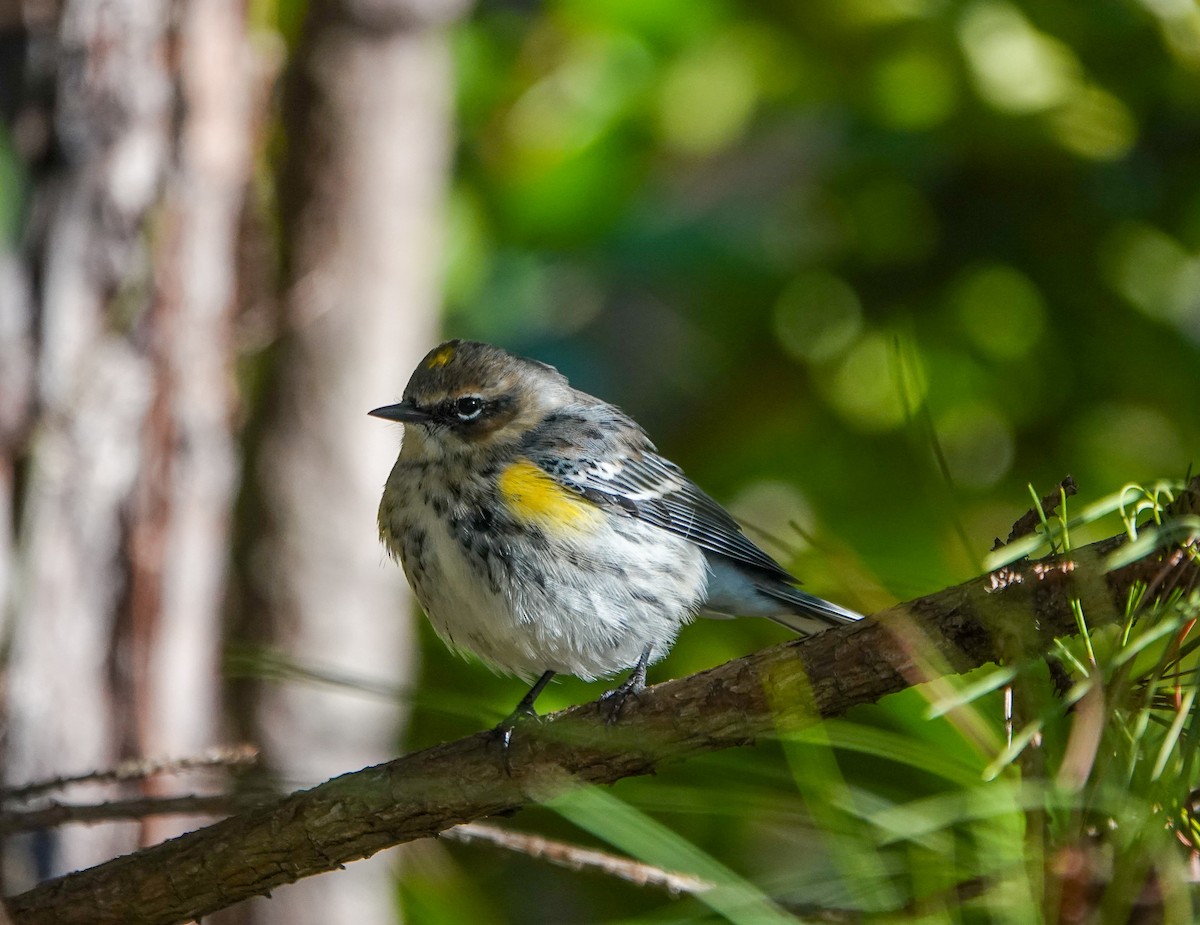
367, 117
117, 457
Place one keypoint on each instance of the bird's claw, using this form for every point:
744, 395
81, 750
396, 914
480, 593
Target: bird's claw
502, 734
614, 703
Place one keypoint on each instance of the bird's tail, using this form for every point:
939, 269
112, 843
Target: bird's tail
735, 590
807, 613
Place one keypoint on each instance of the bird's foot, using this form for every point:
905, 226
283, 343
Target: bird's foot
502, 735
614, 703
522, 715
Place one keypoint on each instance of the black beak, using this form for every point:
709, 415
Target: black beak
405, 412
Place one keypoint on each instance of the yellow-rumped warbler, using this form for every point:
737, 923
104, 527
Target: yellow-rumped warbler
541, 531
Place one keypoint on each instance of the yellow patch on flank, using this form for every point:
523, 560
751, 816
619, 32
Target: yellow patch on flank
534, 498
441, 358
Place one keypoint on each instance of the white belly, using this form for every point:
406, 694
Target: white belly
589, 608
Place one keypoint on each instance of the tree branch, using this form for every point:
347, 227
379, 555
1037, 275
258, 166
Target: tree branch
56, 814
1013, 612
220, 758
576, 857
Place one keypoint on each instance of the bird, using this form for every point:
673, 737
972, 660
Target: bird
541, 530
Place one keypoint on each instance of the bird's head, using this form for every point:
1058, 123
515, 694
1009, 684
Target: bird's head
468, 394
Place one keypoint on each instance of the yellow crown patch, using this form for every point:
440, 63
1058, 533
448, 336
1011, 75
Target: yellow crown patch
441, 357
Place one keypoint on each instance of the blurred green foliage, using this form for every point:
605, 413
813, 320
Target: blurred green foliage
12, 190
822, 250
778, 234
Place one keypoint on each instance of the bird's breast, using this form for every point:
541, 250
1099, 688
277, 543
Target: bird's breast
530, 576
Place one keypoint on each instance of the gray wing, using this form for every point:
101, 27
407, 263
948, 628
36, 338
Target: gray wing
575, 447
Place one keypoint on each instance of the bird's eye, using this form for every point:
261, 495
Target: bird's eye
468, 407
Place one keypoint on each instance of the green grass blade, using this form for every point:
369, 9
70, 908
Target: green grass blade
616, 822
